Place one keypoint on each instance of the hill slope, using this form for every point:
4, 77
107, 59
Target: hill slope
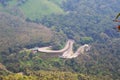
86, 18
15, 32
85, 22
39, 9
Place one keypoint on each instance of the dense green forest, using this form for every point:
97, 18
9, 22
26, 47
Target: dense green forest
26, 24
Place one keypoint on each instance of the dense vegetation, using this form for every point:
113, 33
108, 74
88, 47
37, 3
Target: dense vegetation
86, 19
30, 64
50, 75
87, 22
16, 33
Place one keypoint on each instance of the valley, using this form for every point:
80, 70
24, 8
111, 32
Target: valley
59, 40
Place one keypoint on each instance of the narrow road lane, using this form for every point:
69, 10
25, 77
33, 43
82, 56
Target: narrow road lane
67, 46
67, 51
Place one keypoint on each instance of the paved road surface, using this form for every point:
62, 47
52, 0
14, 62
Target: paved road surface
67, 51
67, 46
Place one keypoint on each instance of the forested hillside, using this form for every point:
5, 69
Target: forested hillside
16, 33
90, 19
85, 21
91, 22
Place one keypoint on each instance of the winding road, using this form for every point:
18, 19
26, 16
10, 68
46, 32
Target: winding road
67, 46
67, 51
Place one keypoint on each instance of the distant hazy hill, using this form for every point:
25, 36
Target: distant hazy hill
33, 9
15, 32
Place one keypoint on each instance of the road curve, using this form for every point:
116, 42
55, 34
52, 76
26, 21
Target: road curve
67, 46
67, 51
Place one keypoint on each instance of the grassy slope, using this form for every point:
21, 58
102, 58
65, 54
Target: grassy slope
59, 2
36, 9
39, 8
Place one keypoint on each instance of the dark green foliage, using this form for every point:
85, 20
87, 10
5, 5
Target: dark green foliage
85, 21
102, 61
51, 75
86, 40
85, 18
